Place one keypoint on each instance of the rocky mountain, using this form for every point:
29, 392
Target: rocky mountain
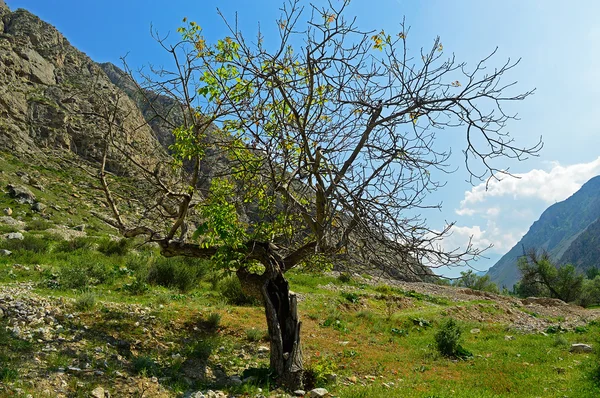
49, 90
568, 230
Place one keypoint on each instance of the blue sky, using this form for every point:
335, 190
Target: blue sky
557, 42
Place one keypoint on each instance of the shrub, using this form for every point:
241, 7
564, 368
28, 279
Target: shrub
448, 340
255, 335
145, 366
319, 372
183, 274
31, 243
80, 243
38, 225
351, 297
111, 247
137, 287
213, 320
83, 272
86, 301
202, 349
231, 290
345, 277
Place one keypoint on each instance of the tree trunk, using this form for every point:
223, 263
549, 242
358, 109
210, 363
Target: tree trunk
281, 311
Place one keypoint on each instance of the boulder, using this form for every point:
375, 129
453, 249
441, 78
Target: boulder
39, 207
8, 211
578, 348
5, 252
21, 194
15, 235
318, 393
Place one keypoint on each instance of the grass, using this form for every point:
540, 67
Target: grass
176, 320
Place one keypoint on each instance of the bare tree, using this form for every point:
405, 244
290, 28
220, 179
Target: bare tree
331, 143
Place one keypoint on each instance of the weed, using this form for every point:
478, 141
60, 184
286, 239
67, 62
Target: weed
30, 243
137, 287
351, 297
231, 290
319, 372
174, 272
255, 335
38, 225
345, 277
111, 247
86, 301
448, 340
212, 321
80, 243
202, 349
560, 341
145, 366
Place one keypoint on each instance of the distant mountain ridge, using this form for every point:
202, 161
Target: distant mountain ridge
568, 230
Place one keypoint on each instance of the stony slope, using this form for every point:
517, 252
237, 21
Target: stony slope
567, 230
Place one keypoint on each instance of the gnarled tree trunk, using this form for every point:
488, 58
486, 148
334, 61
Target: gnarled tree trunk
281, 311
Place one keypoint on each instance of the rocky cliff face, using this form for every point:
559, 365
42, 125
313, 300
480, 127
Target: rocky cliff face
568, 230
49, 90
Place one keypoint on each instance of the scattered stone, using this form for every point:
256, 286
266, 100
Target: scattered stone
262, 349
21, 194
79, 227
299, 393
5, 252
98, 392
39, 207
15, 235
475, 331
235, 381
318, 393
352, 379
331, 378
578, 347
8, 211
509, 338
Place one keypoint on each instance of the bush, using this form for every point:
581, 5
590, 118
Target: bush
183, 274
231, 290
38, 225
31, 243
83, 272
448, 340
590, 293
80, 243
86, 301
255, 335
111, 247
145, 366
473, 281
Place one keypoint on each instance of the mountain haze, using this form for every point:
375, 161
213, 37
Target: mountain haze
568, 230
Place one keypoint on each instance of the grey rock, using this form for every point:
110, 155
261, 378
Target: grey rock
578, 347
79, 227
299, 393
235, 381
5, 252
21, 194
39, 207
262, 349
15, 235
8, 211
318, 393
98, 392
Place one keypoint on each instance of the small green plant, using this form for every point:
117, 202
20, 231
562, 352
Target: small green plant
231, 290
145, 366
38, 225
345, 277
86, 301
80, 243
111, 247
255, 335
213, 321
553, 329
137, 287
182, 274
351, 297
560, 341
448, 339
319, 372
202, 349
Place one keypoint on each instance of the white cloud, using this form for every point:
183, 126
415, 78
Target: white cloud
549, 186
501, 239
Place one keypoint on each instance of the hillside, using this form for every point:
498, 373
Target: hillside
567, 230
83, 314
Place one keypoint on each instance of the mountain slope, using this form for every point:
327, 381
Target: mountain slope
561, 230
49, 89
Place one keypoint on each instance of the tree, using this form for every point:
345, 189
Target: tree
541, 277
330, 144
473, 281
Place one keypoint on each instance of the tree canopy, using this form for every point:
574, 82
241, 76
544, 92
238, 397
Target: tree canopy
329, 145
